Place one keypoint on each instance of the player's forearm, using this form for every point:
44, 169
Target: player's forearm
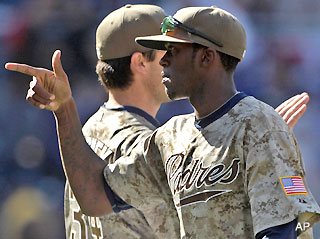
82, 167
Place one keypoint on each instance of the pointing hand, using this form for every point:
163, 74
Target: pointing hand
48, 89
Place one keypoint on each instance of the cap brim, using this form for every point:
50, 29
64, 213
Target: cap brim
158, 42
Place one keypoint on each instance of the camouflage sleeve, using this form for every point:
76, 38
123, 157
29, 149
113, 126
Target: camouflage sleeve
116, 202
140, 180
132, 179
275, 180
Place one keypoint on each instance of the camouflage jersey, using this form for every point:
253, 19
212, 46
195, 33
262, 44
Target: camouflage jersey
232, 174
112, 133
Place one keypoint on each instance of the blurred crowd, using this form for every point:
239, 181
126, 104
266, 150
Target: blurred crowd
282, 60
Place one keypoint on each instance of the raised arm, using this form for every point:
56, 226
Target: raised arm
83, 168
292, 109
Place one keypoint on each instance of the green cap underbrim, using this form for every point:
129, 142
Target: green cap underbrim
158, 42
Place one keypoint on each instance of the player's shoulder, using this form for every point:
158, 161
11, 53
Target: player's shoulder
259, 116
114, 120
178, 128
117, 130
250, 107
177, 123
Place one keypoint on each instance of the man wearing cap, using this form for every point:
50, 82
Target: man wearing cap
208, 158
234, 167
131, 75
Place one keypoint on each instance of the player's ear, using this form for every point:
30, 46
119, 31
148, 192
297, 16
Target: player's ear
207, 57
137, 63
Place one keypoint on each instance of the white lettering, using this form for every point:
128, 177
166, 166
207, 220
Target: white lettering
302, 227
99, 145
93, 143
299, 226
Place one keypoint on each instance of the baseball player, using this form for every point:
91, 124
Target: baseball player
234, 168
145, 184
125, 69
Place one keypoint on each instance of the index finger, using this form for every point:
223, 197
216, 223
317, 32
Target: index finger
23, 68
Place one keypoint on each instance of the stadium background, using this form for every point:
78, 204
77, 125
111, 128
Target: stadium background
282, 60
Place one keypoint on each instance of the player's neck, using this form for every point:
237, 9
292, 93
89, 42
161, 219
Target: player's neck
212, 95
137, 99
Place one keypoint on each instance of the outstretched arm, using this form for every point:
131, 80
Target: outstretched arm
83, 168
292, 109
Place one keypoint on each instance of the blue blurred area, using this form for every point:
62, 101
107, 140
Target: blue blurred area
282, 60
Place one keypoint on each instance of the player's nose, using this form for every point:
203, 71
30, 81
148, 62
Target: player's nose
164, 61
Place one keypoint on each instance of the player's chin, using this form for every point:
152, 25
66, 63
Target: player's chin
169, 94
172, 94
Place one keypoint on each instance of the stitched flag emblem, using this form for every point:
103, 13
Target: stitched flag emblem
293, 185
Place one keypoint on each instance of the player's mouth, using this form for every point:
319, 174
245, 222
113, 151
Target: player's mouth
165, 77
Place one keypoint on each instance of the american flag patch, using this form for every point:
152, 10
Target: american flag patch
293, 185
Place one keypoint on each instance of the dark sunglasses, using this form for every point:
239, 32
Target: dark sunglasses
170, 23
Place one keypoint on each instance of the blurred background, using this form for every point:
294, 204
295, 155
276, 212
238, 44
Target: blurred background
282, 60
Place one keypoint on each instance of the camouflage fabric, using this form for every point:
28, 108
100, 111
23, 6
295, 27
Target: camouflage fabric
225, 177
145, 190
110, 134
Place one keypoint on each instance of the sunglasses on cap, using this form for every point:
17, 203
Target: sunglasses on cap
170, 23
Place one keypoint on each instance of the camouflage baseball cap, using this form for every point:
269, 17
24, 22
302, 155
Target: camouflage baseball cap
208, 26
116, 33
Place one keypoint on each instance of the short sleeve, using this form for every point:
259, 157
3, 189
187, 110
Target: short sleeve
276, 183
116, 202
132, 179
139, 179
